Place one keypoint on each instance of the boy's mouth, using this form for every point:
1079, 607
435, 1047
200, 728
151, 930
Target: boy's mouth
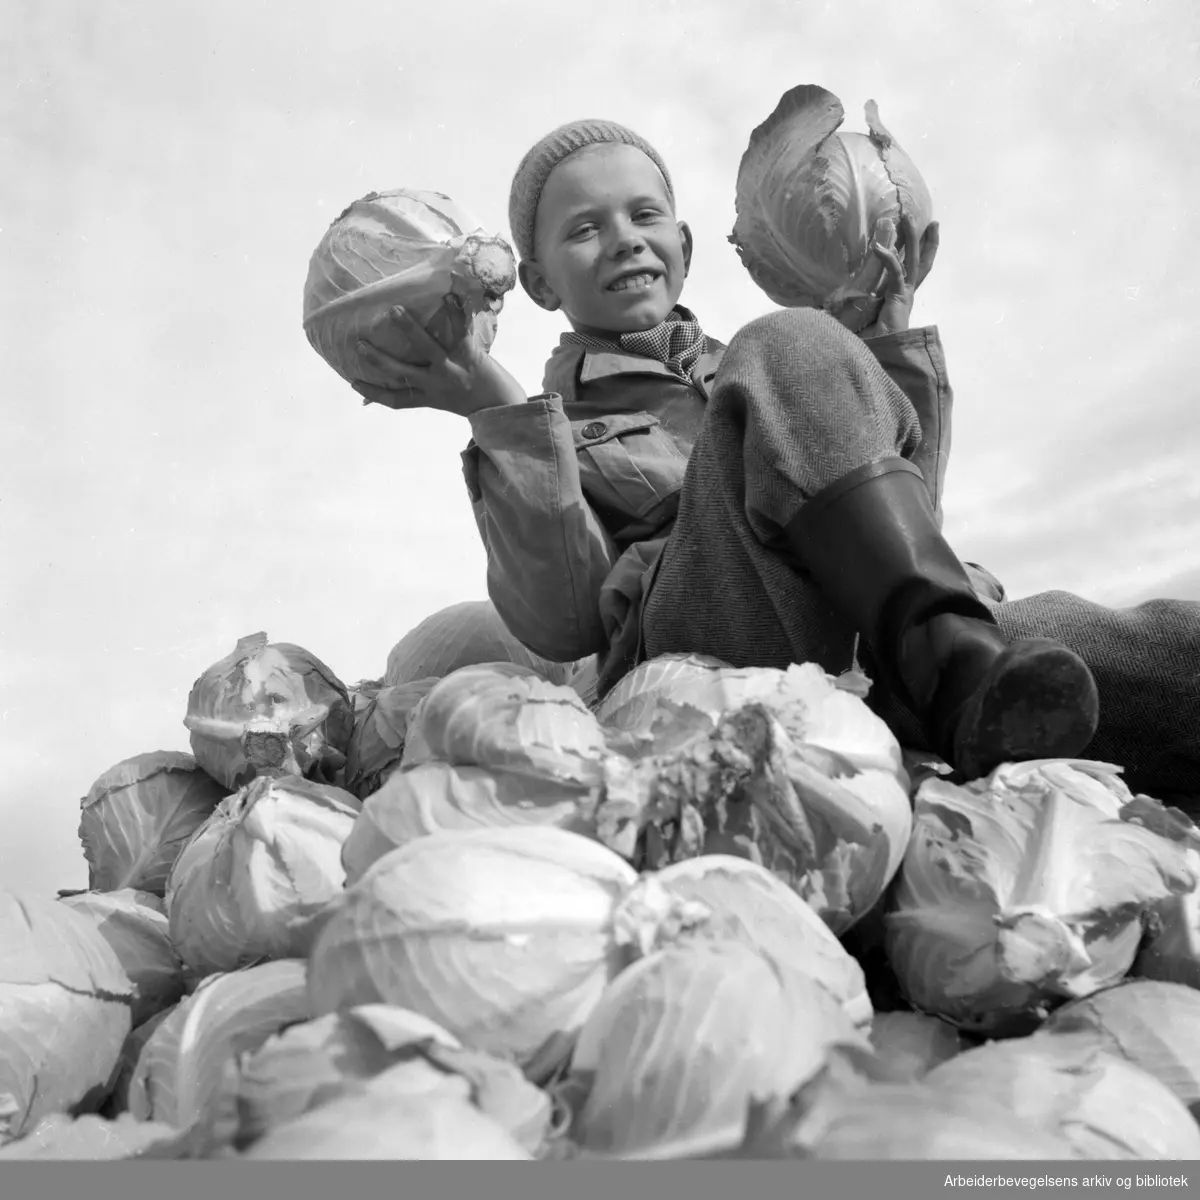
634, 282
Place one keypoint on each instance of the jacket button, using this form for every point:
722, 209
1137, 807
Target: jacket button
595, 429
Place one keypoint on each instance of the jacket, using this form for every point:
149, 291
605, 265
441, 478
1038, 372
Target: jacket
575, 491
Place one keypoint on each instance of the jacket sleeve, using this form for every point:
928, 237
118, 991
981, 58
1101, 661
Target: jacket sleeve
548, 553
916, 363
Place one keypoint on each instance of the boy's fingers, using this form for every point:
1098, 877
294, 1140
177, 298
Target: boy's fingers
410, 372
895, 268
421, 340
390, 397
912, 248
379, 358
884, 233
930, 240
453, 304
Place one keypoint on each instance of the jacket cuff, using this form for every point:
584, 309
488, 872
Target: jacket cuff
498, 426
904, 338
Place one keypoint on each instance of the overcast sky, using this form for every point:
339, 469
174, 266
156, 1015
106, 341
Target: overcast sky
180, 468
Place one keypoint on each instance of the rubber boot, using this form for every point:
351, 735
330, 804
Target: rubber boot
871, 543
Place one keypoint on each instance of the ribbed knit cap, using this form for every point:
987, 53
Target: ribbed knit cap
538, 162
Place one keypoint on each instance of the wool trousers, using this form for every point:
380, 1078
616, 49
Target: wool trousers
798, 402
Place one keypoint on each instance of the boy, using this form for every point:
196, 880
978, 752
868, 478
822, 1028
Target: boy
759, 502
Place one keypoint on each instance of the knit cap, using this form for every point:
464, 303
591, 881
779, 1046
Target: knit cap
538, 162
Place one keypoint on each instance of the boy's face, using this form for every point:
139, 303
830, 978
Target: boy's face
609, 251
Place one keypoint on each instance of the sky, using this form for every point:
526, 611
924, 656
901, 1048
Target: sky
180, 468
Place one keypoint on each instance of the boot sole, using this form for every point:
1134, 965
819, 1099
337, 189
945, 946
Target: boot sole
1039, 700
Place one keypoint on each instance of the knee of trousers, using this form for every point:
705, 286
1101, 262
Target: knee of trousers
795, 334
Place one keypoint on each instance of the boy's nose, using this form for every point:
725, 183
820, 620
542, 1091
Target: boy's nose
626, 237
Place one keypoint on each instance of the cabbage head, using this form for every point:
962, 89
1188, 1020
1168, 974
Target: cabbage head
659, 687
1150, 1023
180, 1074
65, 1004
135, 925
846, 1113
90, 1138
1102, 1104
383, 1119
1171, 950
810, 198
137, 816
683, 1039
401, 247
269, 709
505, 937
248, 884
507, 717
380, 729
131, 1051
464, 635
790, 769
311, 1063
911, 1044
1026, 888
434, 797
746, 903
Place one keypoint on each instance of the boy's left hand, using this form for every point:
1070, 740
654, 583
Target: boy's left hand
903, 278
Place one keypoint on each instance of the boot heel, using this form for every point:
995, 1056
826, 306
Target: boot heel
1038, 700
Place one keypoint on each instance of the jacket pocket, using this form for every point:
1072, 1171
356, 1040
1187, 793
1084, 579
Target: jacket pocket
628, 463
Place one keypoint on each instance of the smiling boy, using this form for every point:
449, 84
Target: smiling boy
761, 502
574, 268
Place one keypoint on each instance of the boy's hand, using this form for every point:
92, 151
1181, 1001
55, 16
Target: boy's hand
903, 279
457, 375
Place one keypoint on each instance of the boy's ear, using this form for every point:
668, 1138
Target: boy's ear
537, 286
685, 236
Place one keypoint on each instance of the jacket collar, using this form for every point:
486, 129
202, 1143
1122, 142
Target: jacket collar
570, 365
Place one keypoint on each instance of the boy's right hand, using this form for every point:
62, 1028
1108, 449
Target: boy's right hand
903, 278
457, 375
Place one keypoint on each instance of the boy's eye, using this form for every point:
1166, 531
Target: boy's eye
581, 230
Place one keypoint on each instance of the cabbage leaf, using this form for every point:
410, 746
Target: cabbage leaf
1070, 1085
380, 729
433, 797
180, 1073
309, 1064
135, 925
65, 1004
139, 814
62, 1137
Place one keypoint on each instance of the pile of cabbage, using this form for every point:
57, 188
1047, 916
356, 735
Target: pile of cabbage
464, 910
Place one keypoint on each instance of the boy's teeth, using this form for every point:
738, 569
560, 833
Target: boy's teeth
632, 281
